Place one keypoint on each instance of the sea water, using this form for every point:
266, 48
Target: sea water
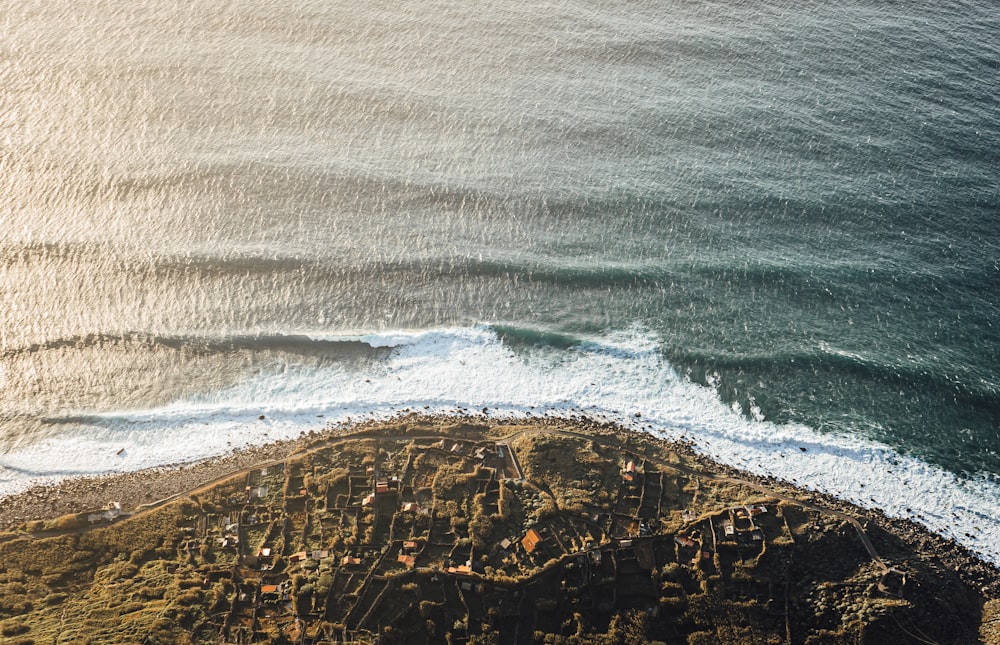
762, 227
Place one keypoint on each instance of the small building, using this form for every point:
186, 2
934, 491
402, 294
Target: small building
319, 555
350, 560
297, 557
411, 507
229, 541
381, 487
409, 544
368, 499
110, 514
408, 560
505, 544
531, 540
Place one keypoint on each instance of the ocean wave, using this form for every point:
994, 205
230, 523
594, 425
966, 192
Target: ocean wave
300, 344
917, 373
516, 372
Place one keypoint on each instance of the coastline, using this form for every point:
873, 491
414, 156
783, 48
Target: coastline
136, 488
145, 487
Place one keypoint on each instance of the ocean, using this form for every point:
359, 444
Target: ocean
770, 228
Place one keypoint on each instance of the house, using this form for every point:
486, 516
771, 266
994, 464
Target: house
505, 544
381, 487
409, 544
297, 557
408, 560
464, 569
319, 555
367, 501
683, 540
269, 589
264, 552
531, 540
411, 507
350, 560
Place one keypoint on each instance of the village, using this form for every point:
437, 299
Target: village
458, 530
416, 540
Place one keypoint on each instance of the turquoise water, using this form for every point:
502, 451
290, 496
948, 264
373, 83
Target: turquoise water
217, 210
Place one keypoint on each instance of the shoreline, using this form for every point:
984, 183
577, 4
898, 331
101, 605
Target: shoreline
137, 488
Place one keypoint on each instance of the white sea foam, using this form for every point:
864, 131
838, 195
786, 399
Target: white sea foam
440, 371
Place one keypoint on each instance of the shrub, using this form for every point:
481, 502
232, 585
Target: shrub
152, 593
323, 584
192, 597
66, 523
14, 629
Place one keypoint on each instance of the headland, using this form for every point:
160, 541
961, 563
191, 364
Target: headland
470, 530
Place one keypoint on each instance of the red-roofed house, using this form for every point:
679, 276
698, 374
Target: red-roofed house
531, 540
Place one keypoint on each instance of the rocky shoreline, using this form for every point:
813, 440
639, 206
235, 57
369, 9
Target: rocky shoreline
134, 489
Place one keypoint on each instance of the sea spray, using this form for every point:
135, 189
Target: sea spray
620, 377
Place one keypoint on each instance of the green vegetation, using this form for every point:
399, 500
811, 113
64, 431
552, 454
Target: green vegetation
608, 538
